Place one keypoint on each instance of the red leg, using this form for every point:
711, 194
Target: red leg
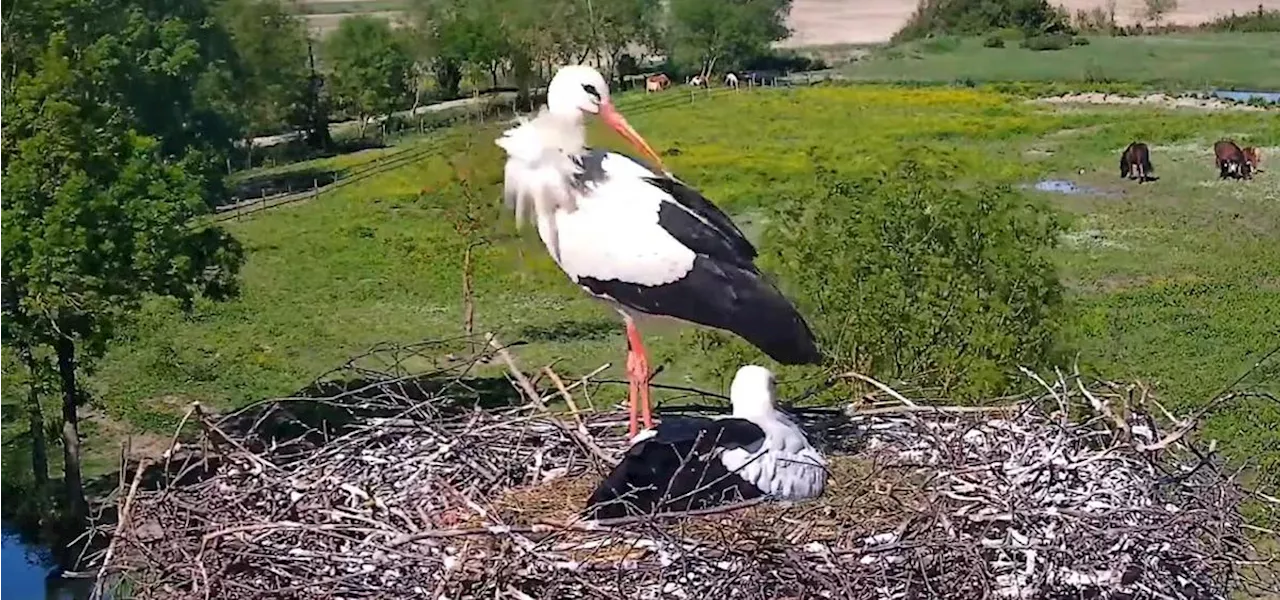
638, 373
632, 390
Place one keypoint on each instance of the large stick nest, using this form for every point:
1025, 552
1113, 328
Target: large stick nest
402, 487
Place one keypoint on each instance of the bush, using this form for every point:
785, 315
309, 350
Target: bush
1052, 41
1080, 41
993, 41
911, 275
977, 17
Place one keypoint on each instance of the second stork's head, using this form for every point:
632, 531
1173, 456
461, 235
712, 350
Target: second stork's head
577, 91
752, 392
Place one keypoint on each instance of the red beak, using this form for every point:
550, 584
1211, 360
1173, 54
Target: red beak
615, 120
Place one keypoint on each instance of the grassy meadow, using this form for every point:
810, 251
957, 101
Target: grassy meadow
1188, 61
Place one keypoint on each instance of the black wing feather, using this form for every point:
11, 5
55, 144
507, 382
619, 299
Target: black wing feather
725, 296
678, 469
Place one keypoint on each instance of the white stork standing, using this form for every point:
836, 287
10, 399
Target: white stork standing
689, 463
638, 238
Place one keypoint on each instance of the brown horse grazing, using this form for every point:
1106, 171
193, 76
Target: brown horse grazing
656, 83
1253, 156
1231, 160
1135, 162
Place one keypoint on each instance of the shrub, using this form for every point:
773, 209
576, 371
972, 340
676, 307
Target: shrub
911, 275
1052, 41
976, 17
993, 41
1080, 41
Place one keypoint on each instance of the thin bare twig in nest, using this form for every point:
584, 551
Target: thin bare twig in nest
884, 388
536, 398
121, 525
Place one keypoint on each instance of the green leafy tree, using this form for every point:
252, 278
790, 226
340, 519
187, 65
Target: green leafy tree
907, 275
704, 32
435, 44
976, 17
369, 67
273, 81
102, 183
623, 23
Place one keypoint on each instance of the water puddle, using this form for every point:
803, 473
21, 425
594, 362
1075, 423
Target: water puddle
29, 572
1069, 188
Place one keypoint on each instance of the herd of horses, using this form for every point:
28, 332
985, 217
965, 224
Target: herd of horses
659, 81
1231, 160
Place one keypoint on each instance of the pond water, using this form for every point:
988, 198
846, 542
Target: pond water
1244, 96
1063, 186
24, 568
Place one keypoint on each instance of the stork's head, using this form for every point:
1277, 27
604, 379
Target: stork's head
579, 90
752, 391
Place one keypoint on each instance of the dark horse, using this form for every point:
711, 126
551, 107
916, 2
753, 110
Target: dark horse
1231, 160
1135, 163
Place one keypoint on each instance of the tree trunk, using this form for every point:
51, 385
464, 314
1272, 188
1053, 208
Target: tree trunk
35, 418
70, 429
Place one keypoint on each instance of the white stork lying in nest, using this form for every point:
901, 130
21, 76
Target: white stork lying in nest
689, 463
638, 238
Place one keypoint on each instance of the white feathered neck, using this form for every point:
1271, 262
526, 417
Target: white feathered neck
541, 168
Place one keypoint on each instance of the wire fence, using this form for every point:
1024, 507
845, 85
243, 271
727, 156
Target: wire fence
484, 112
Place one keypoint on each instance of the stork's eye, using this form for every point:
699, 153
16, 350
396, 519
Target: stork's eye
591, 89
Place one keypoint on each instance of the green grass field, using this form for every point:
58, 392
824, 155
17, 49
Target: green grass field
1176, 282
1199, 61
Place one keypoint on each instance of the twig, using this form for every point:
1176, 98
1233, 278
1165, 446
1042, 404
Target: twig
884, 388
122, 523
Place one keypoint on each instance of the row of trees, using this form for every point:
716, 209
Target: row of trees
121, 116
374, 67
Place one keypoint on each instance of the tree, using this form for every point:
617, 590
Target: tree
705, 31
976, 17
1155, 10
622, 23
98, 213
273, 79
369, 67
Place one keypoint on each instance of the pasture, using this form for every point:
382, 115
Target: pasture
1181, 62
1175, 282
